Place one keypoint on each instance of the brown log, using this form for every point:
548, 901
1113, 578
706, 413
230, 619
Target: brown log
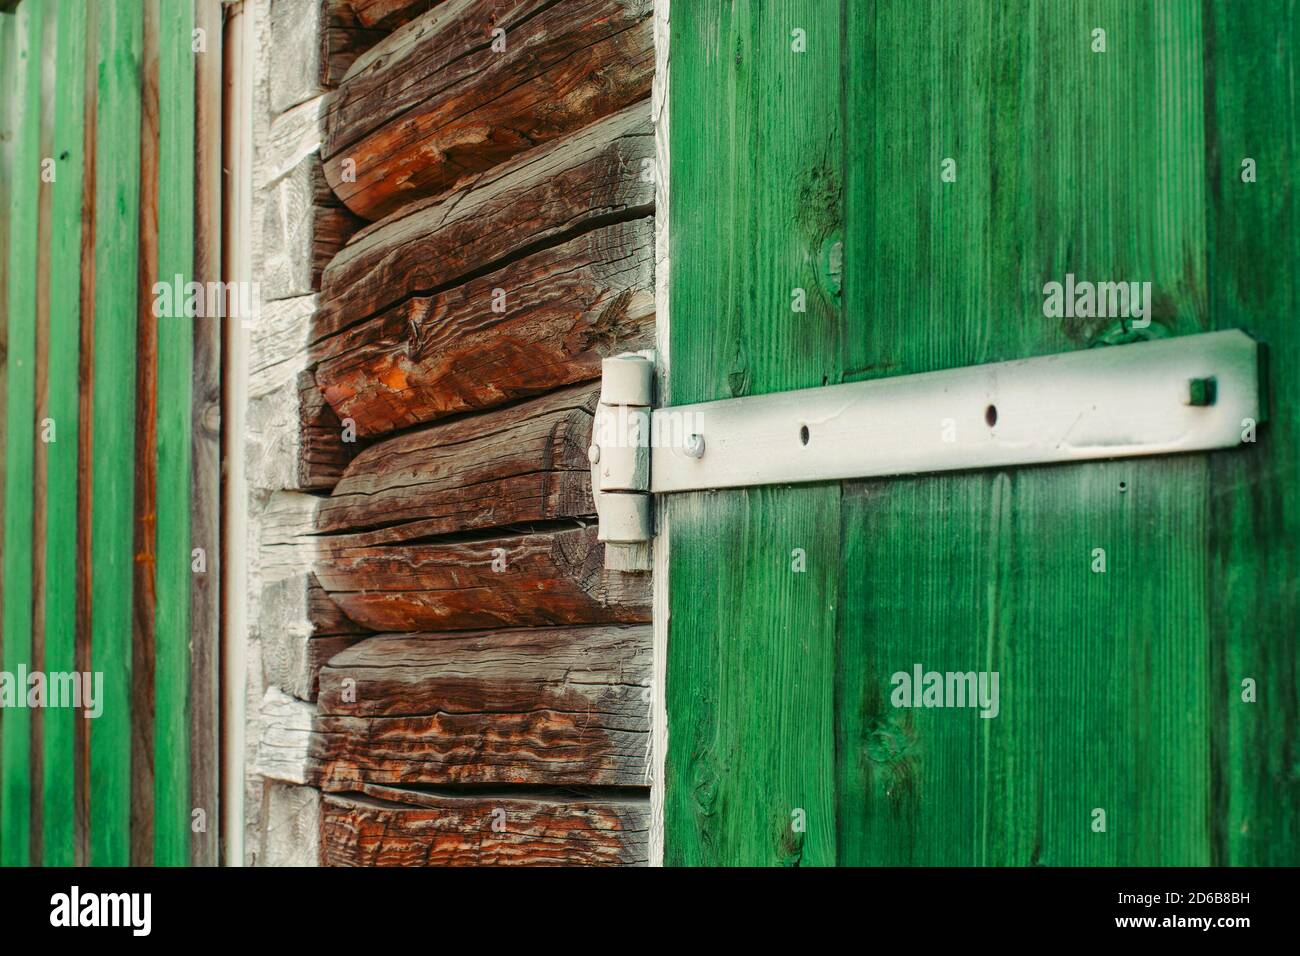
392, 827
538, 706
548, 578
389, 14
540, 196
435, 100
562, 310
524, 463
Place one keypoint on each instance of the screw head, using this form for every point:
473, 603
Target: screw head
694, 446
593, 454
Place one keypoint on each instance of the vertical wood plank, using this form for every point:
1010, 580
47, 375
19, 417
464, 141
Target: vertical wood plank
44, 213
144, 542
1066, 160
756, 215
205, 437
117, 201
64, 361
8, 67
8, 63
15, 749
1252, 104
85, 434
175, 363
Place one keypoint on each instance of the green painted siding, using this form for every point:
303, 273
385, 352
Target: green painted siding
1119, 691
20, 430
68, 784
58, 787
117, 240
175, 367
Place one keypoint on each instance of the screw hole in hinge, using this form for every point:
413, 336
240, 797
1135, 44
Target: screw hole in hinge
804, 435
991, 415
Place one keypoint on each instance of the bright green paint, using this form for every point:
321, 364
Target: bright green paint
1119, 691
175, 358
1254, 268
58, 792
755, 215
117, 214
20, 433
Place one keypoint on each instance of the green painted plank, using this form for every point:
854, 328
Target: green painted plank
1067, 160
58, 795
1252, 59
175, 360
8, 61
755, 215
117, 213
15, 751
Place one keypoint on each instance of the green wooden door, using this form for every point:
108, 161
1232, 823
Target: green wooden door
912, 173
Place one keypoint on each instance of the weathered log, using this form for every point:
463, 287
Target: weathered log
291, 834
541, 579
312, 43
538, 706
389, 14
537, 324
284, 739
326, 448
473, 82
304, 226
293, 439
523, 463
300, 629
391, 827
540, 196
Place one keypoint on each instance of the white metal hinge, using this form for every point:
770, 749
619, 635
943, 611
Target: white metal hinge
1191, 393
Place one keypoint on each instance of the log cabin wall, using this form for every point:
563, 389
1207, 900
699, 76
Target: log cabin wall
456, 206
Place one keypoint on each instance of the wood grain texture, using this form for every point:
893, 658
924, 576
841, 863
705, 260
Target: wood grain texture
20, 424
304, 227
750, 772
1120, 690
1252, 57
173, 718
205, 443
314, 44
539, 323
519, 464
300, 628
389, 14
1104, 677
58, 790
541, 579
145, 515
541, 706
539, 197
117, 238
435, 101
388, 826
323, 454
85, 432
48, 53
